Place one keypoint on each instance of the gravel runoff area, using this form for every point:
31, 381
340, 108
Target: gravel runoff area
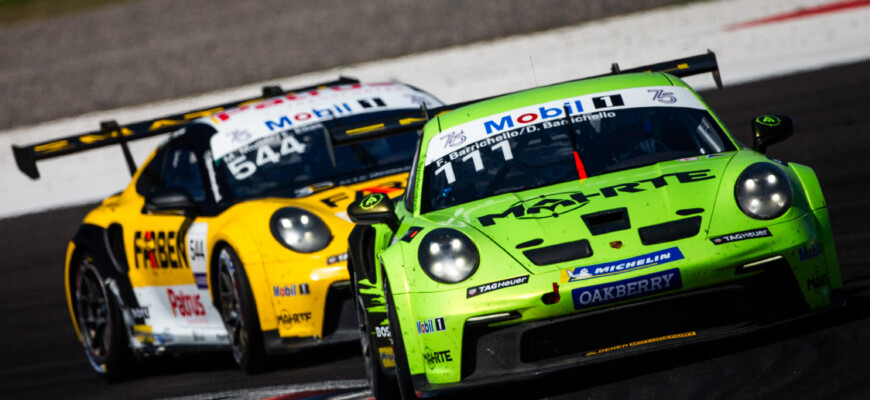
139, 51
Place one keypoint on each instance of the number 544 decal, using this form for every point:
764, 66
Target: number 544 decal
242, 168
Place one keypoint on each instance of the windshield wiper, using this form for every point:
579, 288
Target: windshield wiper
313, 188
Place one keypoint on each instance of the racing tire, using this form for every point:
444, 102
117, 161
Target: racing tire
381, 385
403, 371
101, 324
239, 312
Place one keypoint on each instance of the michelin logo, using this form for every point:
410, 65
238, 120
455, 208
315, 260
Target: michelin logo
646, 285
624, 265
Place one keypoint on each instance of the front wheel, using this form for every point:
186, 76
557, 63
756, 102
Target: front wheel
239, 312
101, 323
403, 372
382, 386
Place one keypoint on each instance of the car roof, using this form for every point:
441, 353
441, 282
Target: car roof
544, 94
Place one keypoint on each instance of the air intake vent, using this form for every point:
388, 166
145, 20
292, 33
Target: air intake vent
559, 253
607, 221
670, 231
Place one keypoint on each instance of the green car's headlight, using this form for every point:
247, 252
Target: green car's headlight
763, 191
300, 230
448, 256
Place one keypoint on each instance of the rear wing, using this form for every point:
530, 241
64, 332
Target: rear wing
111, 133
403, 123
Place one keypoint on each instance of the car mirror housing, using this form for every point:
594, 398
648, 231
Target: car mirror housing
770, 129
173, 199
375, 208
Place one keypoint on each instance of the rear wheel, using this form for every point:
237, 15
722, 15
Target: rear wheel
101, 323
239, 312
403, 372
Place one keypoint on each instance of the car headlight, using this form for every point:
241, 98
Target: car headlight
300, 230
763, 191
448, 256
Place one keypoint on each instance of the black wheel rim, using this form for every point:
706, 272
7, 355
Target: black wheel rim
92, 309
231, 306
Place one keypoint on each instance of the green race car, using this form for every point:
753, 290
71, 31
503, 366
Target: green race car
579, 222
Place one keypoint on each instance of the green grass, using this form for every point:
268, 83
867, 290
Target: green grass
13, 11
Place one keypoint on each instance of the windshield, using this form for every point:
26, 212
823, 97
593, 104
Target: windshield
542, 152
285, 163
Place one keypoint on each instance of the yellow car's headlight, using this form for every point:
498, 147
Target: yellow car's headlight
300, 230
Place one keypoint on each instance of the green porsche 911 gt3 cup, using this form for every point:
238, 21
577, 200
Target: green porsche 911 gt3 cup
579, 222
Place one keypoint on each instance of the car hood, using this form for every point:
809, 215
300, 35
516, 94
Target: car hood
607, 211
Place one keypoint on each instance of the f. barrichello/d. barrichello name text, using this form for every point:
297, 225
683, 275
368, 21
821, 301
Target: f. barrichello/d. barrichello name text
646, 285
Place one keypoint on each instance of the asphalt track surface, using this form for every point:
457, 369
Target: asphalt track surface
142, 51
822, 357
139, 51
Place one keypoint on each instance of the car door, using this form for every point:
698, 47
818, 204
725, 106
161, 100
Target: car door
167, 250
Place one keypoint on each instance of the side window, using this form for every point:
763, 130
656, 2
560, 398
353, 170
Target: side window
182, 170
174, 165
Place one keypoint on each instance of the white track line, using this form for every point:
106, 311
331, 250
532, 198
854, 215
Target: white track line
484, 69
275, 391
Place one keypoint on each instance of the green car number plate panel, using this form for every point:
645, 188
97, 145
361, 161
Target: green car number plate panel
645, 285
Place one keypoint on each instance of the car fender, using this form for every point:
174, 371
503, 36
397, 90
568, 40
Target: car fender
237, 236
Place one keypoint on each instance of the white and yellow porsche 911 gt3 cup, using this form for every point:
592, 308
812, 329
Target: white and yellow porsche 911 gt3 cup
234, 232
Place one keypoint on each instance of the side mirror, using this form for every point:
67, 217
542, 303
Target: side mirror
174, 199
770, 129
375, 208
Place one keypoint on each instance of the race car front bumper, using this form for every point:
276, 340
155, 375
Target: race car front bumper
492, 353
339, 324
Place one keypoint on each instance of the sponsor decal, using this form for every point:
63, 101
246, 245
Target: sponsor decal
453, 139
662, 96
140, 313
163, 338
383, 331
196, 253
371, 201
646, 285
143, 334
185, 305
159, 249
287, 318
222, 337
488, 287
554, 205
768, 120
201, 280
290, 290
295, 110
464, 139
808, 252
628, 264
436, 357
819, 283
642, 342
198, 337
736, 237
387, 356
431, 325
336, 259
383, 188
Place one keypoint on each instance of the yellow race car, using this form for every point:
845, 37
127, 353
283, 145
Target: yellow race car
233, 233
